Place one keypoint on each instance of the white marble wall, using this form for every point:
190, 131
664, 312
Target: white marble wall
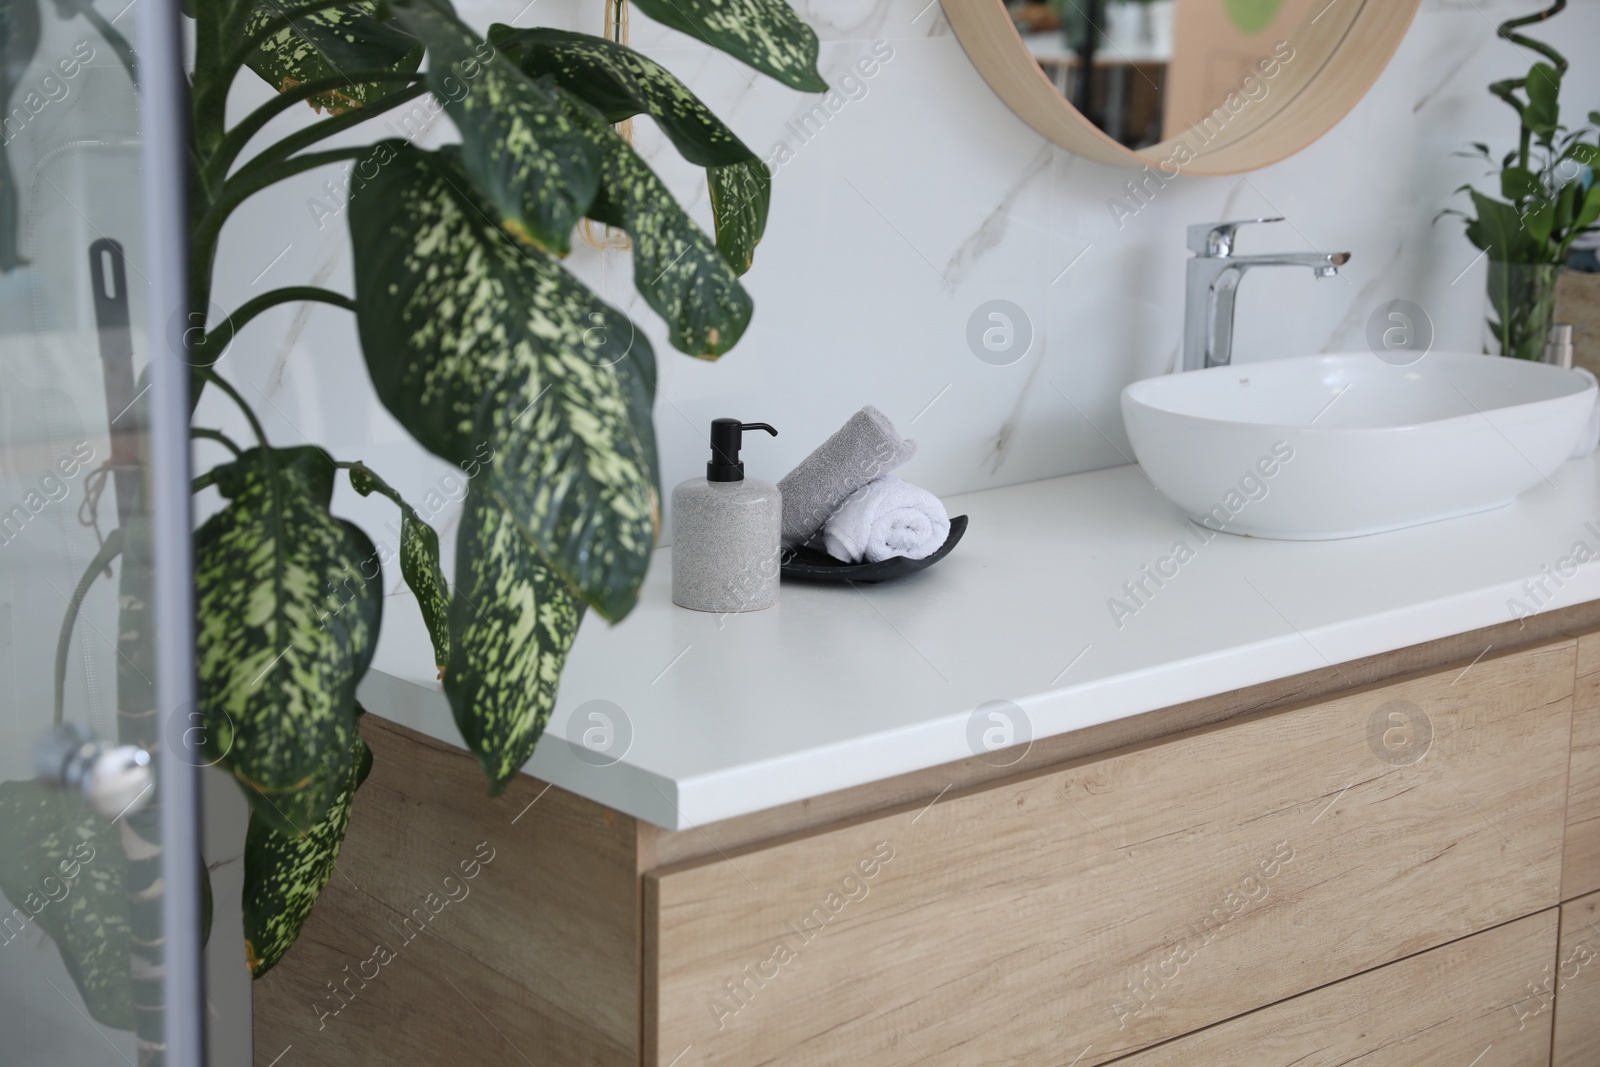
922, 198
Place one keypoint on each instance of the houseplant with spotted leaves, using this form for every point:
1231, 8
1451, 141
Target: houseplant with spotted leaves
486, 350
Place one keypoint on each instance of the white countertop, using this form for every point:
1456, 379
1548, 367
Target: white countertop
839, 686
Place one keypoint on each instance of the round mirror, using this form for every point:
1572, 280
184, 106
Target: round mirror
1181, 86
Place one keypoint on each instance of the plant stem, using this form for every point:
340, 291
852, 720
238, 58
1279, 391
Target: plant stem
302, 139
209, 89
215, 72
218, 436
213, 94
205, 231
233, 394
382, 488
378, 484
223, 334
108, 552
1506, 89
235, 140
119, 44
1508, 31
251, 180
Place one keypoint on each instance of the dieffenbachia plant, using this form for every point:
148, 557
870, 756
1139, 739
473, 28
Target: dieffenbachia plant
489, 352
1550, 196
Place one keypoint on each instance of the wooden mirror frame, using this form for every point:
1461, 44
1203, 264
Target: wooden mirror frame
1337, 56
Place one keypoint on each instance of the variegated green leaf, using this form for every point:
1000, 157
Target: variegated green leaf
289, 604
284, 873
620, 83
419, 563
511, 623
472, 340
326, 44
419, 566
61, 869
763, 33
676, 268
525, 157
740, 195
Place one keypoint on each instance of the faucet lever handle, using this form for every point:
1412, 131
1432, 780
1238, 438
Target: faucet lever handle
1212, 239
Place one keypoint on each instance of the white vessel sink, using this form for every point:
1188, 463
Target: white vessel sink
1318, 447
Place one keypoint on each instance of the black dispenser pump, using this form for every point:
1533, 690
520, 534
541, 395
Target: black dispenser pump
727, 437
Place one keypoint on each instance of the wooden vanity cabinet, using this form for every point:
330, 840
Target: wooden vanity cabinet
1448, 1007
1571, 982
1088, 912
1580, 869
1382, 870
1575, 974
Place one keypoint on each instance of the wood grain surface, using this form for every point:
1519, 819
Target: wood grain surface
1452, 1006
462, 928
1098, 909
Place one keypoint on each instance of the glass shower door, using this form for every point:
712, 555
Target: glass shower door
101, 901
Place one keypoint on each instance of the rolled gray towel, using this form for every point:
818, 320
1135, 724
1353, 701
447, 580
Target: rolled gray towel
864, 448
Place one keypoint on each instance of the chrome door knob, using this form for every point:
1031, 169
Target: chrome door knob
114, 780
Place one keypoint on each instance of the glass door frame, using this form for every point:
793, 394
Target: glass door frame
166, 169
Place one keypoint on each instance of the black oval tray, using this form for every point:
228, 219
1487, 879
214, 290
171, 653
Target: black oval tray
808, 564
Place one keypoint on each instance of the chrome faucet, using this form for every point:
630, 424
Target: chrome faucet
1214, 274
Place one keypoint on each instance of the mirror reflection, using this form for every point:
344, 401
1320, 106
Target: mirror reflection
1145, 71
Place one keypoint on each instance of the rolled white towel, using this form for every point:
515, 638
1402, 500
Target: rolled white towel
886, 518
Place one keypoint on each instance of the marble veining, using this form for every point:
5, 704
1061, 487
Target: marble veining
297, 325
845, 19
1006, 435
992, 230
1448, 75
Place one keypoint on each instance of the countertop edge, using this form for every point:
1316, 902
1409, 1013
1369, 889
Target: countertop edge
697, 801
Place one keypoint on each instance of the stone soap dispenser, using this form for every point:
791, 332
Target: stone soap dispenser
725, 530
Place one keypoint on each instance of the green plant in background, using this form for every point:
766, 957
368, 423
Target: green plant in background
1252, 16
490, 353
1076, 16
1549, 198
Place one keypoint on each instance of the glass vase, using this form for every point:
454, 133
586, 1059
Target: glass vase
1522, 305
